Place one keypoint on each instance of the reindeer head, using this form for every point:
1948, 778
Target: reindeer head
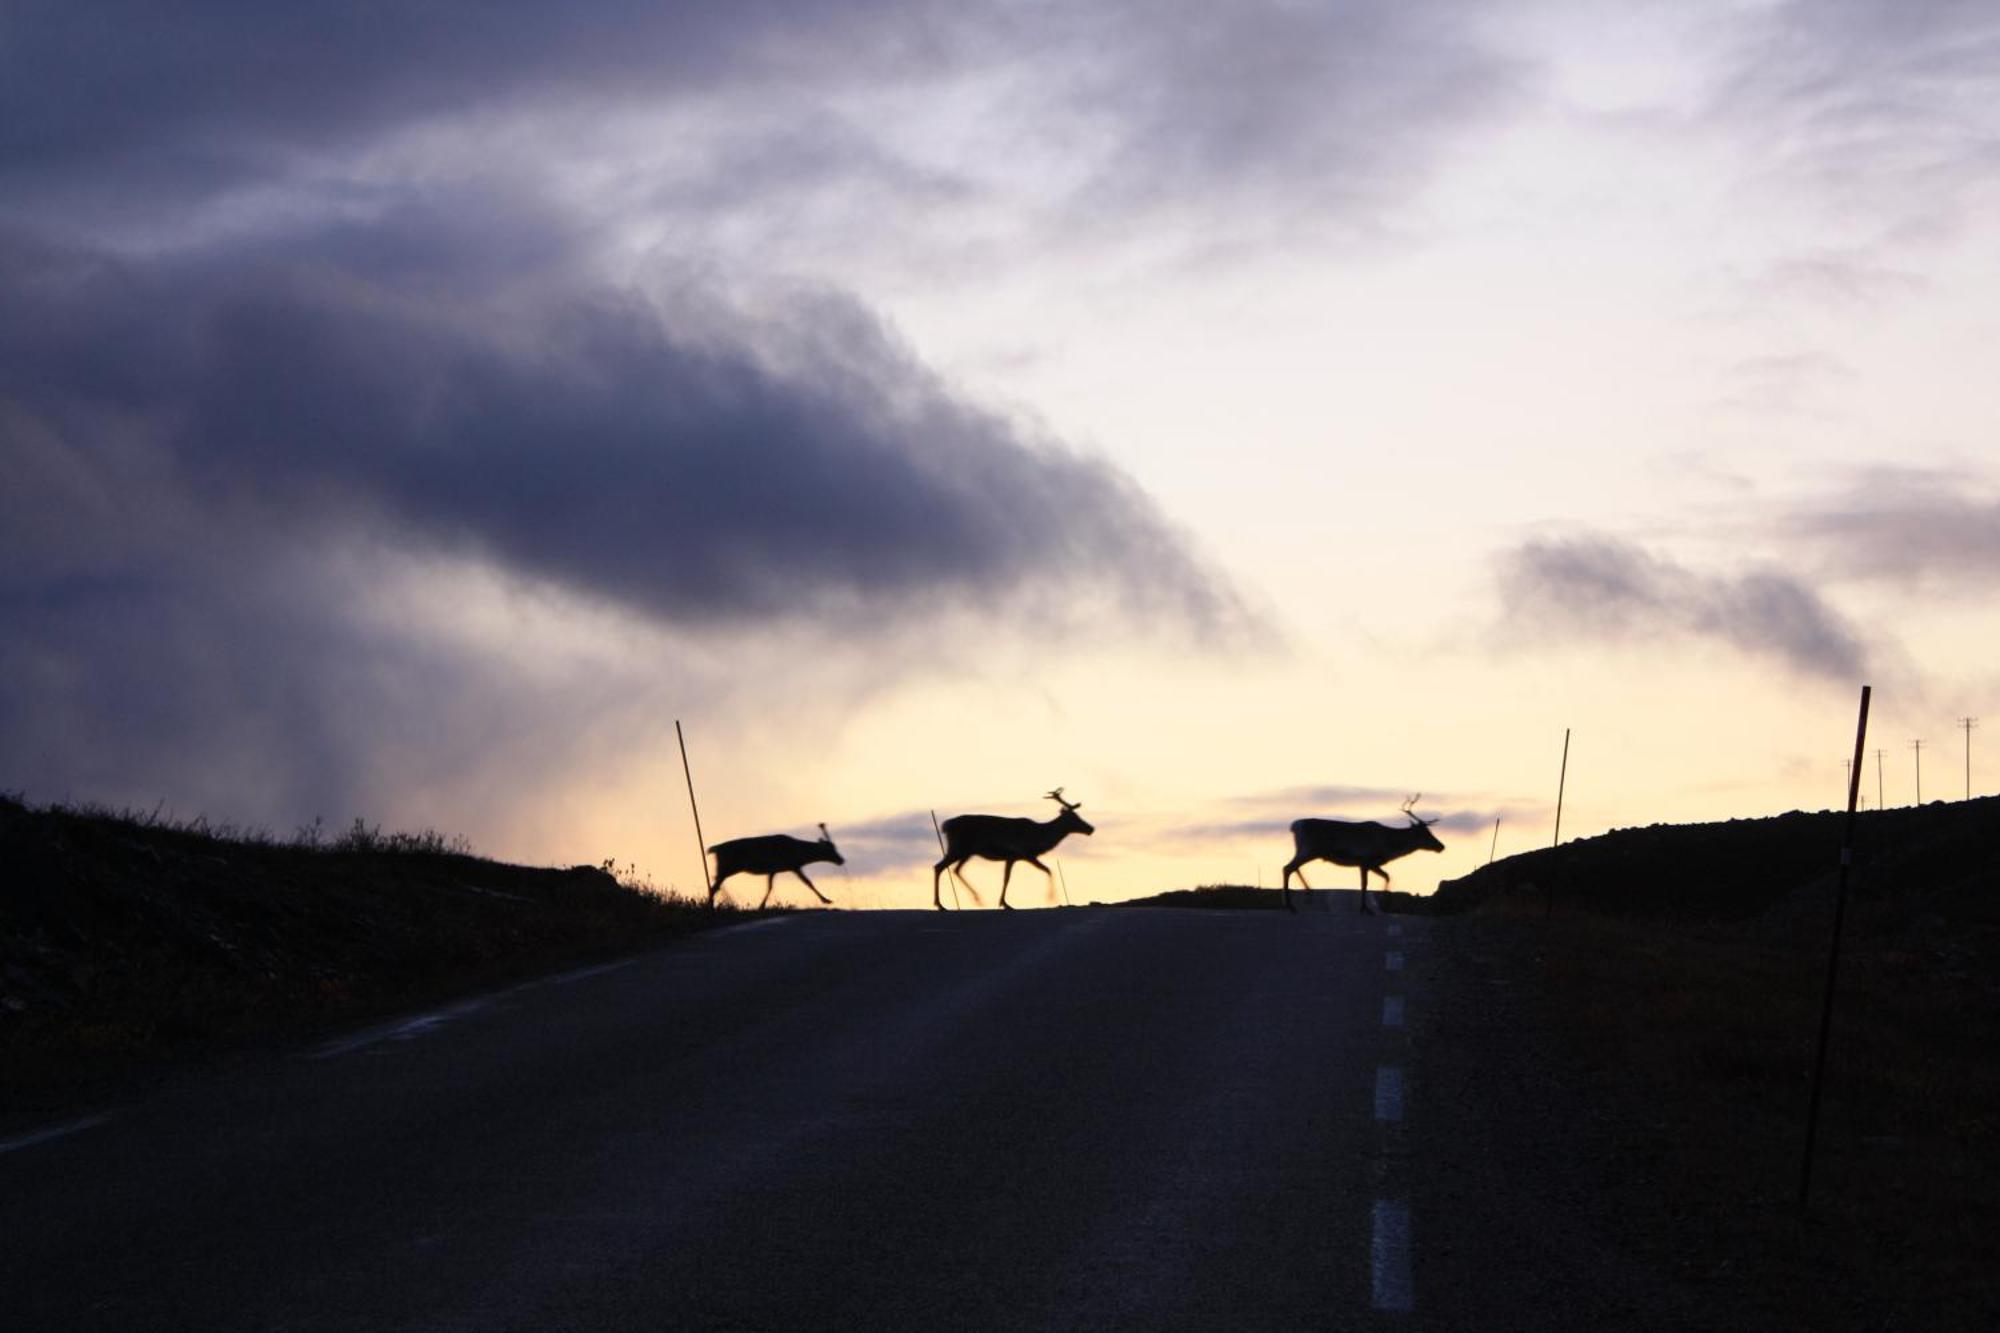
832, 853
1428, 841
1069, 820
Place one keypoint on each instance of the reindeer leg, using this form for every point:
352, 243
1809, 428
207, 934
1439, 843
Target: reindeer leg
1005, 875
1292, 868
1364, 907
958, 872
814, 887
767, 891
1046, 871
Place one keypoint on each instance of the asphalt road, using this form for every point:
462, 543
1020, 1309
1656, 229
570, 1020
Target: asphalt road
1078, 1119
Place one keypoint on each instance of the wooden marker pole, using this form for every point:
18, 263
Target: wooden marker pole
1833, 952
701, 843
1562, 785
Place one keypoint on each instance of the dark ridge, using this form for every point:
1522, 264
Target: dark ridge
1942, 858
126, 941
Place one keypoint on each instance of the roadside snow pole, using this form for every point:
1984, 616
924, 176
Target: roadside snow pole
1494, 850
1562, 784
700, 843
940, 837
1833, 951
1065, 884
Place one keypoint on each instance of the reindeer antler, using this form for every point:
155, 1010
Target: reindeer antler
1057, 797
1416, 818
824, 834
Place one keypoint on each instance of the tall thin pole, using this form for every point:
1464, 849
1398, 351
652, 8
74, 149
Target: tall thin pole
953, 882
1494, 850
701, 843
1065, 884
1878, 781
1833, 953
1918, 747
1561, 782
1966, 724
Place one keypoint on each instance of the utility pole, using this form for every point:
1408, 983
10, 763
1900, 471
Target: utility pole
1918, 748
1494, 850
1966, 724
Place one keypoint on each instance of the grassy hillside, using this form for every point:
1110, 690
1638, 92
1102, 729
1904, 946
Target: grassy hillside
123, 939
1942, 858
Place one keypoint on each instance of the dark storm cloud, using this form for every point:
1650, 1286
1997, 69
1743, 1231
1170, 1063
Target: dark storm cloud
1274, 114
225, 86
404, 384
201, 451
1598, 588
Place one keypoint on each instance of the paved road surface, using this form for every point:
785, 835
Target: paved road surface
1082, 1119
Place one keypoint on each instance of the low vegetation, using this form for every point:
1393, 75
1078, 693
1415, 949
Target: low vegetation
1658, 1014
127, 939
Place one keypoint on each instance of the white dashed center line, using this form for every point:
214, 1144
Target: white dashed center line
1392, 1011
1390, 1257
1393, 960
1389, 1094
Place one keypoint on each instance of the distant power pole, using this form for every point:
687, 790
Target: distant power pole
1494, 850
1918, 747
1966, 724
1878, 781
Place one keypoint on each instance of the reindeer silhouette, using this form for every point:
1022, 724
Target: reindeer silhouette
1003, 838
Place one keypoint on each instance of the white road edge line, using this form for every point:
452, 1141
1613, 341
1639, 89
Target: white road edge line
768, 923
1392, 1011
578, 974
404, 1030
1389, 1258
1393, 960
43, 1136
1389, 1093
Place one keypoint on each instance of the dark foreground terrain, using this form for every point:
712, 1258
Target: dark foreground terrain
1100, 1118
126, 943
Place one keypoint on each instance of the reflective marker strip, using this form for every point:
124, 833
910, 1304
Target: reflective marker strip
1389, 1093
1389, 1258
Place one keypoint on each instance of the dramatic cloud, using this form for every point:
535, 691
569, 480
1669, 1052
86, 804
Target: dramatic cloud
202, 448
700, 120
1600, 589
1908, 525
416, 387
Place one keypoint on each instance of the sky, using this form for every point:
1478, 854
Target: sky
1224, 413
